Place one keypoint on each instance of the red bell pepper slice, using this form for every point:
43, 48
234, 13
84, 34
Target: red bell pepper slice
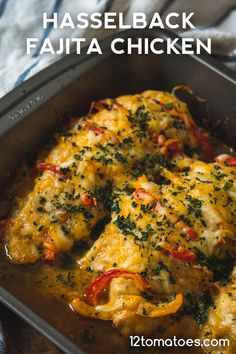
44, 166
189, 232
49, 248
87, 200
172, 148
204, 143
96, 130
142, 196
182, 254
100, 284
156, 138
231, 161
153, 137
49, 255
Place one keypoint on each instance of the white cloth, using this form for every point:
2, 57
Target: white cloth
20, 19
2, 342
23, 18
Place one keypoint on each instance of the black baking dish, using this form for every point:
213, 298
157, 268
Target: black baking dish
34, 109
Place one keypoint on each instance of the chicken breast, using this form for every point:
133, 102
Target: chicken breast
73, 179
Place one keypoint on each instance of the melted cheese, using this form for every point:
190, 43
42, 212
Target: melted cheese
170, 215
102, 149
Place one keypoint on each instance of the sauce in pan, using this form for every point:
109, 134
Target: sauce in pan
39, 286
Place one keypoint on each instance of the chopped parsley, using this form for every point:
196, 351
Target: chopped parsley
115, 207
65, 170
42, 200
228, 185
65, 230
178, 124
125, 224
119, 157
198, 307
66, 280
169, 105
68, 262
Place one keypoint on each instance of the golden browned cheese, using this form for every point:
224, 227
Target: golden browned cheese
140, 162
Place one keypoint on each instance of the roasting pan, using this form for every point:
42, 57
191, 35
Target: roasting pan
37, 107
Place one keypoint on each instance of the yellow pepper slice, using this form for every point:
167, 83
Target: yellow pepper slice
147, 309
